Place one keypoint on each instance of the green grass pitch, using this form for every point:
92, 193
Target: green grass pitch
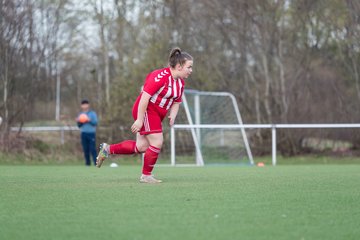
283, 202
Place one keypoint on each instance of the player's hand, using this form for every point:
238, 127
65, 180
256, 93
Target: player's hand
171, 120
136, 126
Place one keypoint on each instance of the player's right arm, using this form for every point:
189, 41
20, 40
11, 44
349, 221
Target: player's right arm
154, 81
144, 101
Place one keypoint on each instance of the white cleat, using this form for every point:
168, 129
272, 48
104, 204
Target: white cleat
103, 154
149, 179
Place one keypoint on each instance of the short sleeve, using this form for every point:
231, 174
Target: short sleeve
154, 81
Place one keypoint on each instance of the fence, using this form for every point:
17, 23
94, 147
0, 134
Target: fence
273, 128
60, 129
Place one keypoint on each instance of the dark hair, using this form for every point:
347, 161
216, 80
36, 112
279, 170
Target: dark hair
177, 56
85, 101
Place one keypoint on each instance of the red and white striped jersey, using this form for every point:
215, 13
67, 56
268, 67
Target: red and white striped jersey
163, 88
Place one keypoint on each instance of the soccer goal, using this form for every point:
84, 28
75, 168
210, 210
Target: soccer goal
217, 143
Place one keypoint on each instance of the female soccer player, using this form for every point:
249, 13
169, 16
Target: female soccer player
162, 93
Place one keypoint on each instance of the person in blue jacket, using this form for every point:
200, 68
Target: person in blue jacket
87, 122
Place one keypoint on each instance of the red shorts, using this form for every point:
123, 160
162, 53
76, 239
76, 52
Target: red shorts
154, 115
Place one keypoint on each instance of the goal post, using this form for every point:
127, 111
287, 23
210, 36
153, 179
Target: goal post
211, 144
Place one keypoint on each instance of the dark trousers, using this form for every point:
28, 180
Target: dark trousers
88, 142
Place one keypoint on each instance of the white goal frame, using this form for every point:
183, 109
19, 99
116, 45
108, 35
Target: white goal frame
195, 131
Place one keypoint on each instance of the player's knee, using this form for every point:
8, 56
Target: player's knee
157, 143
141, 148
155, 140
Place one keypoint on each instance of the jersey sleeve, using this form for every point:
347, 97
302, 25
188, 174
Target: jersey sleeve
179, 99
154, 81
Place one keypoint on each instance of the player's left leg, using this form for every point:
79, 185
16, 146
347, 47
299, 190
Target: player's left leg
151, 155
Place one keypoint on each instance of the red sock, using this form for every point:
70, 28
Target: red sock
125, 147
150, 158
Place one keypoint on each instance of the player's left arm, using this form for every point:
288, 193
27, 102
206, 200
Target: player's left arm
173, 112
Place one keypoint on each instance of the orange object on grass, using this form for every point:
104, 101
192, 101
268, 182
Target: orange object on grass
260, 164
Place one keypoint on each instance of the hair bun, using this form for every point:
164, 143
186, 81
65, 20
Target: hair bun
176, 56
176, 51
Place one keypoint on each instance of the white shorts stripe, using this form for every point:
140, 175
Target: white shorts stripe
146, 123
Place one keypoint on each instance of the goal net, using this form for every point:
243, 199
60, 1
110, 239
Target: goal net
203, 134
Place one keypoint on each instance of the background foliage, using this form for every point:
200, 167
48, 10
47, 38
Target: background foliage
286, 61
